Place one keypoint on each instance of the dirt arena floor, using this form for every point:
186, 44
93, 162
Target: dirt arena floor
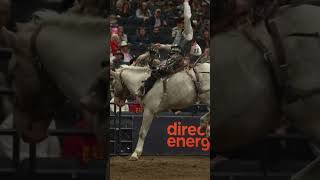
160, 168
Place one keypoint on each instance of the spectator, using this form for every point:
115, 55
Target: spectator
155, 37
169, 10
157, 20
151, 5
205, 10
124, 11
142, 40
48, 148
122, 35
204, 41
195, 7
118, 3
143, 12
80, 147
114, 29
179, 28
114, 43
125, 51
198, 21
118, 59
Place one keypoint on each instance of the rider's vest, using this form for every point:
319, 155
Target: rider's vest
182, 42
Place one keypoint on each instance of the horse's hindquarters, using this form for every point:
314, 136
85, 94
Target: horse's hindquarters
301, 42
245, 104
301, 46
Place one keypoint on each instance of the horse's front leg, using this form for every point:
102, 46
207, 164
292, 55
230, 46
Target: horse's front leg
146, 122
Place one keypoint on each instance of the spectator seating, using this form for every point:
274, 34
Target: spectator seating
64, 169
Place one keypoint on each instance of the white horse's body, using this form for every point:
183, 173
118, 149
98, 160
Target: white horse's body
180, 93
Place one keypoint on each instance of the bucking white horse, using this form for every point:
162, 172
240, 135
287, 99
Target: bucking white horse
180, 92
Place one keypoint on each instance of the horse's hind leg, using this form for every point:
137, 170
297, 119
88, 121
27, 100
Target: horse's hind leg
204, 120
205, 123
146, 122
305, 116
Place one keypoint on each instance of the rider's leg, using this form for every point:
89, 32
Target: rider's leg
148, 84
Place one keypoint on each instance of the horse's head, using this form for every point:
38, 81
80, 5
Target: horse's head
120, 91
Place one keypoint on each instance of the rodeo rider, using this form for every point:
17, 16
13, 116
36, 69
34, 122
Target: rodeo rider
183, 44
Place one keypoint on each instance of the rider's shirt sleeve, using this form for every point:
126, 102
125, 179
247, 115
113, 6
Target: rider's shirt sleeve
188, 31
186, 10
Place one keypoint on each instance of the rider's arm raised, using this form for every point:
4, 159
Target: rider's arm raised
188, 31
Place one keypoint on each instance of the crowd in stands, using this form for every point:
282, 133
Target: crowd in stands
136, 24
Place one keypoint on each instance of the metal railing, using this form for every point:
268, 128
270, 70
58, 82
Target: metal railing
33, 168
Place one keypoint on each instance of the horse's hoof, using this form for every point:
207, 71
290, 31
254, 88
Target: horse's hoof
133, 158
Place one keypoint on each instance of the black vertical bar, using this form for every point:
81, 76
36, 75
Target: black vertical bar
32, 158
131, 133
213, 153
115, 135
263, 161
119, 131
16, 150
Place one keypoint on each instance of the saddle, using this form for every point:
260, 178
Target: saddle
166, 69
195, 80
170, 69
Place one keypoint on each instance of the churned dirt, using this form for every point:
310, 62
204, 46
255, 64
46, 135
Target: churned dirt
160, 168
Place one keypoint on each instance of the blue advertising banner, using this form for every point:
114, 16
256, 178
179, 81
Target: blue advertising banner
172, 135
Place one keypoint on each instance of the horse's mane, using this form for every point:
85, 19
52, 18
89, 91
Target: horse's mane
70, 20
138, 68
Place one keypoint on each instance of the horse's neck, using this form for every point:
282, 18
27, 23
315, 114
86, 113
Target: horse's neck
133, 79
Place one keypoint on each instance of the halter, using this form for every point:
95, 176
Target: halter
125, 92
